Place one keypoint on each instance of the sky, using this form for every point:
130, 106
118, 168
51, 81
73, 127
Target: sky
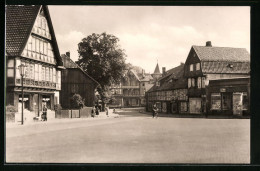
153, 33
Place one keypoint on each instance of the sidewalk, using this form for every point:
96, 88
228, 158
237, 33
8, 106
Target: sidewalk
102, 115
188, 115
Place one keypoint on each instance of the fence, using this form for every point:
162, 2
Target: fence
84, 112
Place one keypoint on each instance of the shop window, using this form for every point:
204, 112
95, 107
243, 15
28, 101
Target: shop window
215, 101
184, 107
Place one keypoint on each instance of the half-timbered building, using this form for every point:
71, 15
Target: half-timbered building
30, 40
206, 63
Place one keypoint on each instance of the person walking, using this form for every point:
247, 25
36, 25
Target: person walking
93, 112
44, 113
97, 110
107, 109
155, 111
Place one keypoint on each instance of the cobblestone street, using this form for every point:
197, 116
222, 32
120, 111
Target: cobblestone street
133, 137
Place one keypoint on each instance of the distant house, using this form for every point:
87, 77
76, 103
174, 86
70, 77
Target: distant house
75, 81
169, 92
30, 40
130, 92
205, 63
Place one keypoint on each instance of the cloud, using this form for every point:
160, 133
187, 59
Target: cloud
69, 42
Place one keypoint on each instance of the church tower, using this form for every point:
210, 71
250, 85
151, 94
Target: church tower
156, 74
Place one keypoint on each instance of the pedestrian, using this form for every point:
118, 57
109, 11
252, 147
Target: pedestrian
155, 110
114, 110
97, 110
107, 109
93, 112
44, 113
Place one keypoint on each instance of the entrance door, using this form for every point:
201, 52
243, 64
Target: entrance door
226, 101
36, 104
195, 105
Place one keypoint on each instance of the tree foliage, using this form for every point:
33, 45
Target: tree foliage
77, 101
103, 59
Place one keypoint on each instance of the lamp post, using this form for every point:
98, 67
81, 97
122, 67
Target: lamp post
22, 72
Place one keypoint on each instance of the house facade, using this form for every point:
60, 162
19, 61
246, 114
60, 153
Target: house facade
130, 92
169, 92
229, 96
205, 63
30, 40
75, 81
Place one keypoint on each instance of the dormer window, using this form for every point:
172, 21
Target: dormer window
157, 83
191, 67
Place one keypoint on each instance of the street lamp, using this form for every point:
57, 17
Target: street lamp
22, 72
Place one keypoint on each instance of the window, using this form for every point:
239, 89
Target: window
199, 82
54, 75
197, 66
215, 101
193, 82
50, 74
36, 72
157, 83
32, 71
191, 67
47, 74
203, 82
43, 73
189, 82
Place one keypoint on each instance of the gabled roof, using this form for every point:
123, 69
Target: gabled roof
172, 73
19, 23
177, 80
69, 64
157, 70
208, 53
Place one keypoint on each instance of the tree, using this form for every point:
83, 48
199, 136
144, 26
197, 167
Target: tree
103, 59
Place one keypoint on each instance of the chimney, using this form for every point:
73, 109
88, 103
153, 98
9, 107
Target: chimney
163, 70
208, 43
68, 54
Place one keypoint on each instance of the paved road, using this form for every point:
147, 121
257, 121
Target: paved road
132, 138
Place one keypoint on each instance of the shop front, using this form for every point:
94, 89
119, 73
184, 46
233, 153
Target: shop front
229, 97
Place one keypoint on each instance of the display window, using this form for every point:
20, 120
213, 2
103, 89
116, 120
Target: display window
215, 101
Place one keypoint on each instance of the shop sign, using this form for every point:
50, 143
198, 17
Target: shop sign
222, 90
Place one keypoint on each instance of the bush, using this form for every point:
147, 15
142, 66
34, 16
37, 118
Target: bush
10, 113
76, 101
57, 107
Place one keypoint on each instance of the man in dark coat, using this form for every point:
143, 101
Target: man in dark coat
155, 111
